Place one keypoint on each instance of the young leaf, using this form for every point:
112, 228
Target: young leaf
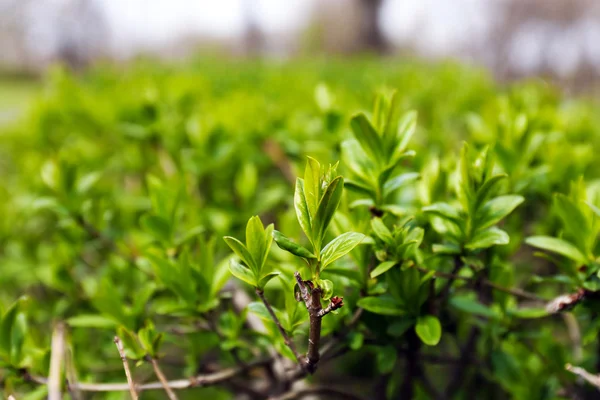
382, 268
558, 246
302, 213
327, 207
383, 305
242, 273
444, 210
382, 231
406, 130
327, 286
286, 244
398, 181
488, 238
255, 242
157, 227
339, 247
470, 305
265, 279
386, 359
367, 136
6, 328
241, 251
312, 186
496, 209
429, 330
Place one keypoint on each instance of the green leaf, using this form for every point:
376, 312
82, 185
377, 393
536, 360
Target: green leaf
367, 136
470, 305
488, 238
241, 251
443, 210
446, 248
157, 226
558, 246
327, 207
386, 359
399, 181
91, 321
496, 209
286, 244
312, 184
242, 273
86, 182
383, 305
265, 279
575, 221
382, 231
255, 242
406, 129
382, 268
399, 327
6, 328
302, 213
339, 247
429, 330
131, 345
327, 286
528, 313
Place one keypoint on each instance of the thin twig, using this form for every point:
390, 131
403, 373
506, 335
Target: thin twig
130, 382
288, 341
162, 379
329, 392
334, 304
592, 379
178, 384
56, 362
514, 291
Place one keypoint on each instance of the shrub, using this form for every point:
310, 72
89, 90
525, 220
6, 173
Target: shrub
450, 253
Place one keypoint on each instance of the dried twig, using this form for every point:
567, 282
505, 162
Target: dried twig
132, 390
56, 362
592, 379
178, 384
288, 341
162, 379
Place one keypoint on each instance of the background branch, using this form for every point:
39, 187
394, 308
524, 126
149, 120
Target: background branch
132, 390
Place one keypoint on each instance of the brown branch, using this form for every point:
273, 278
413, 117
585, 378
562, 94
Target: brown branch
119, 344
312, 299
56, 362
288, 341
327, 392
178, 384
162, 379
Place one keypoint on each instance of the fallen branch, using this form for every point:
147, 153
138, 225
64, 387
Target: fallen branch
130, 382
178, 384
592, 379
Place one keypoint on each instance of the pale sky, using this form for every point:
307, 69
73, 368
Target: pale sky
433, 27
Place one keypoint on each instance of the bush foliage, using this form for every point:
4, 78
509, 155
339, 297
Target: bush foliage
361, 229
